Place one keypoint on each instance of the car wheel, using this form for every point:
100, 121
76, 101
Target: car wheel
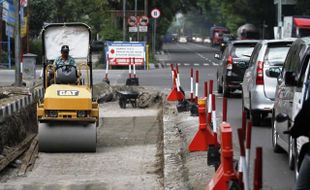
219, 86
275, 145
255, 117
291, 156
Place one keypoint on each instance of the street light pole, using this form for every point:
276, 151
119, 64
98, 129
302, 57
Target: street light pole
18, 74
124, 20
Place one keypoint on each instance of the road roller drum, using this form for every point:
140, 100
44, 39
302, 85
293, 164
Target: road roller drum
67, 137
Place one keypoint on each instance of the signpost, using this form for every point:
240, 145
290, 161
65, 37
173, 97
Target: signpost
155, 13
138, 23
120, 53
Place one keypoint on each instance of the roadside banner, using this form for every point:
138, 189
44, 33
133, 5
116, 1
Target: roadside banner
120, 53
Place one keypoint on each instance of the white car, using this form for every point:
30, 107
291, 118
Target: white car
182, 39
198, 40
207, 40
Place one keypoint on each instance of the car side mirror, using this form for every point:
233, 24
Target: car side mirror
217, 56
273, 72
290, 78
282, 117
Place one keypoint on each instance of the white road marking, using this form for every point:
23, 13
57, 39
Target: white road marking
206, 64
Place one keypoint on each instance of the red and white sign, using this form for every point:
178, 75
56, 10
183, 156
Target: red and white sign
143, 21
132, 21
126, 53
155, 13
23, 3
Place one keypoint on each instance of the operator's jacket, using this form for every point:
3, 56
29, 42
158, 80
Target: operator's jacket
60, 61
301, 128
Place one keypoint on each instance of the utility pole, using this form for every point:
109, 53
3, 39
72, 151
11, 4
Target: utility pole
18, 74
1, 28
124, 20
136, 9
280, 18
146, 14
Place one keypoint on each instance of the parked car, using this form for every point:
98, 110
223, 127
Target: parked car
260, 79
183, 39
287, 97
233, 63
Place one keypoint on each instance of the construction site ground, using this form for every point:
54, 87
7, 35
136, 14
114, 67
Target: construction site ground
137, 148
127, 157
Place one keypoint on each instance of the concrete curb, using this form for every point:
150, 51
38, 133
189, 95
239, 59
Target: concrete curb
18, 104
175, 177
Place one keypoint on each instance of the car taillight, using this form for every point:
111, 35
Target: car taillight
229, 63
260, 73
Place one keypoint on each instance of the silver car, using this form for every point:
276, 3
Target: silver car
260, 79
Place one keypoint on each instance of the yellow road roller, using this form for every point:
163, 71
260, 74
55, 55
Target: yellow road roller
68, 116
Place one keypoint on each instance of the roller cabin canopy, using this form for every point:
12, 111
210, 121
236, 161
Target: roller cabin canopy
76, 35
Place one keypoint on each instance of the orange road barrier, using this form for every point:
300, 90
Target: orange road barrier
241, 175
248, 138
206, 89
204, 136
197, 86
225, 173
175, 94
224, 109
192, 84
258, 171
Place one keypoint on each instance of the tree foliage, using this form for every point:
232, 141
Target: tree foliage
234, 13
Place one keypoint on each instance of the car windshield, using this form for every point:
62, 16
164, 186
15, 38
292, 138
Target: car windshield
242, 51
276, 55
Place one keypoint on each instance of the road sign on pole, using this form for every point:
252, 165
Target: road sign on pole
143, 21
155, 13
132, 21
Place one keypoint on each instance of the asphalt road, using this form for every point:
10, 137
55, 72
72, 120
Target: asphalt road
276, 174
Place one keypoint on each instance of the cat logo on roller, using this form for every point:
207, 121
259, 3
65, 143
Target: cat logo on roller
67, 92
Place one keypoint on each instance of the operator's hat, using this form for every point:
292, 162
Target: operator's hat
64, 48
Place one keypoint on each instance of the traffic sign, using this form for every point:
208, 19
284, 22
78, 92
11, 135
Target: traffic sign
121, 53
133, 29
132, 21
8, 12
143, 21
155, 13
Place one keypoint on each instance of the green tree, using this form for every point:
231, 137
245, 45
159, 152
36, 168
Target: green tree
303, 7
